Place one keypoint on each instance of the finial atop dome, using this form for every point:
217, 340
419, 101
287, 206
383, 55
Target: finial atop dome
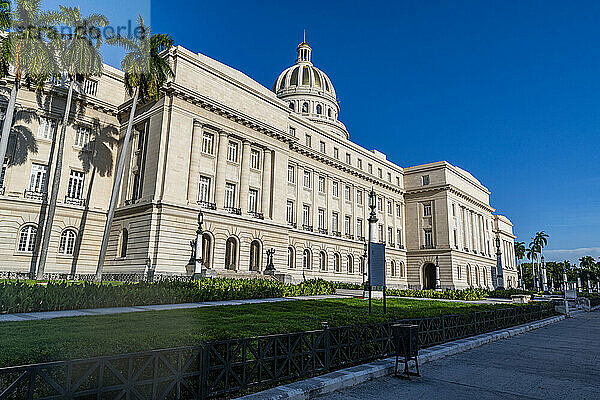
304, 51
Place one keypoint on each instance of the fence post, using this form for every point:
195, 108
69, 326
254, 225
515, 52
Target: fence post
203, 375
326, 344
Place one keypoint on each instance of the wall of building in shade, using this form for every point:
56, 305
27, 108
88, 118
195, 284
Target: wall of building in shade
268, 168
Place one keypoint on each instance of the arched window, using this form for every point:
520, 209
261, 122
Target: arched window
350, 263
66, 245
469, 276
206, 250
122, 251
304, 107
231, 253
336, 263
306, 259
27, 238
322, 261
393, 268
255, 254
319, 109
362, 266
292, 106
329, 113
291, 257
401, 265
484, 276
477, 276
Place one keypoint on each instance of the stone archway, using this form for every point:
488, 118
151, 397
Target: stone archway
255, 255
429, 276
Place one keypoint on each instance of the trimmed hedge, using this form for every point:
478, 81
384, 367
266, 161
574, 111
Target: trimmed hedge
466, 294
507, 293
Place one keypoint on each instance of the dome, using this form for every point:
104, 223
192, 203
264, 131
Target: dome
309, 91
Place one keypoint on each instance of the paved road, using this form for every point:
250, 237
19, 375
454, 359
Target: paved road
560, 361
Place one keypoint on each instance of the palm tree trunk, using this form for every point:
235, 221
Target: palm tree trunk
116, 186
55, 186
8, 120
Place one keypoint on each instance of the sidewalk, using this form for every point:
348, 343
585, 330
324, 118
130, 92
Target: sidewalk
34, 316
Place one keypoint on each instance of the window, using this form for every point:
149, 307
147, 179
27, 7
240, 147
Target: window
3, 171
379, 173
348, 193
336, 263
425, 180
291, 174
289, 213
307, 179
397, 181
398, 211
389, 177
348, 159
252, 200
347, 224
231, 253
322, 146
82, 136
370, 169
304, 107
308, 141
319, 109
399, 236
292, 130
454, 213
334, 222
329, 113
350, 264
291, 253
46, 128
322, 184
204, 189
208, 140
255, 252
336, 189
455, 234
306, 261
380, 234
75, 189
122, 251
336, 153
427, 210
359, 163
428, 238
27, 238
37, 179
321, 218
66, 245
393, 268
390, 233
232, 151
359, 226
229, 195
305, 215
379, 204
389, 207
322, 261
254, 159
359, 197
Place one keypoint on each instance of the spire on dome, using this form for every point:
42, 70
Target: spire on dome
304, 51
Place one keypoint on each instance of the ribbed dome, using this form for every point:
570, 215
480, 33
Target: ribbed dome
305, 76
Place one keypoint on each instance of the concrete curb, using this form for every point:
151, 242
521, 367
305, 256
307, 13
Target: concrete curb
323, 384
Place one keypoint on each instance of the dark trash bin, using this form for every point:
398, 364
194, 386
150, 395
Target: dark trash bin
406, 344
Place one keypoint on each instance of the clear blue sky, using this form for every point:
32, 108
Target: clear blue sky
508, 90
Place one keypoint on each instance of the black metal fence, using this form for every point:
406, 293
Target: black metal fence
230, 367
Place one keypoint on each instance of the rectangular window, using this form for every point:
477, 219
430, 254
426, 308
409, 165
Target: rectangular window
397, 181
254, 159
359, 228
291, 174
428, 239
381, 234
37, 179
379, 204
307, 179
347, 224
398, 211
370, 169
334, 222
389, 177
46, 128
306, 215
204, 189
359, 163
322, 146
336, 153
336, 189
390, 233
427, 210
75, 189
379, 173
359, 197
292, 131
322, 184
389, 207
229, 195
455, 238
321, 218
454, 212
252, 200
232, 151
3, 171
348, 159
208, 140
82, 136
348, 193
289, 214
425, 180
308, 141
399, 236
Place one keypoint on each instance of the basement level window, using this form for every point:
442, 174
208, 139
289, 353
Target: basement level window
425, 179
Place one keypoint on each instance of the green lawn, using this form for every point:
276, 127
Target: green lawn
78, 337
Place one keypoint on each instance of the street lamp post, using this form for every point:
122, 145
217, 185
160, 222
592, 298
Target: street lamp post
270, 268
372, 235
499, 271
198, 259
364, 266
438, 284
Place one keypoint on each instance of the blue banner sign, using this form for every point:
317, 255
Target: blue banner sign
377, 264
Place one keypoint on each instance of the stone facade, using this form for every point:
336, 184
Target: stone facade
268, 168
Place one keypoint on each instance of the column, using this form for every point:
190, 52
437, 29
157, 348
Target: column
245, 176
315, 207
299, 203
220, 171
266, 185
354, 190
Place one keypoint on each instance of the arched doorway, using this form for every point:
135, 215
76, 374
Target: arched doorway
255, 254
206, 250
231, 253
429, 276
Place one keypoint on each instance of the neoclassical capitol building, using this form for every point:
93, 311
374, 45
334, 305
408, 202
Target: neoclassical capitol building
270, 169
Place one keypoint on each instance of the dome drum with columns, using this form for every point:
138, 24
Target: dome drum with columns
309, 92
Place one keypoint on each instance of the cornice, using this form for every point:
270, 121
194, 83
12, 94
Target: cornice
453, 190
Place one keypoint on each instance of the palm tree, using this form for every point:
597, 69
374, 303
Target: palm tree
79, 58
587, 264
520, 254
541, 238
146, 70
532, 252
25, 47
